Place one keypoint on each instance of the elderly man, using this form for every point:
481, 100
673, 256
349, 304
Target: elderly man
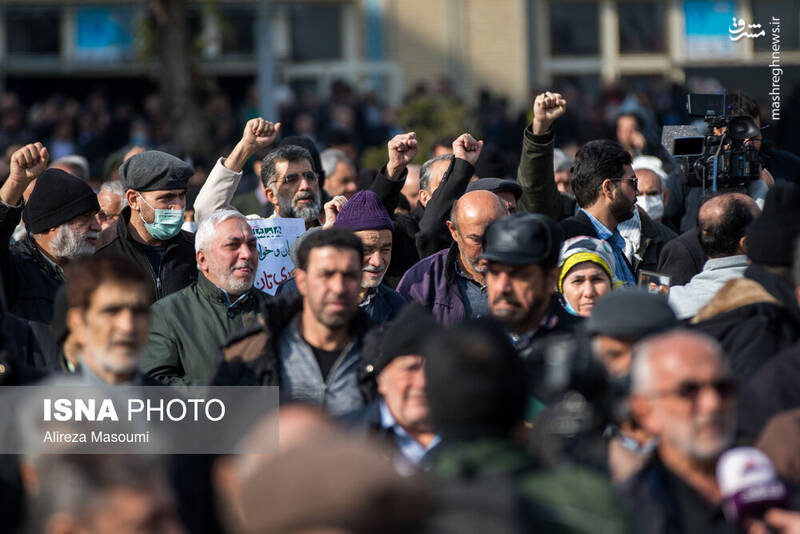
60, 216
365, 216
521, 252
310, 344
108, 299
149, 229
400, 414
112, 201
683, 394
451, 282
189, 327
340, 174
721, 226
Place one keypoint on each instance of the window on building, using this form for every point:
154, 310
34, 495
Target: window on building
238, 29
33, 30
315, 31
573, 28
641, 26
786, 11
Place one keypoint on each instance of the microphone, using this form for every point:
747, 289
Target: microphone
749, 485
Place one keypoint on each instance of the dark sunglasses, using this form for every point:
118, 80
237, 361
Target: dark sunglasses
690, 389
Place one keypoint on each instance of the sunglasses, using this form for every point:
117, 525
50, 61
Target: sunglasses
689, 389
634, 181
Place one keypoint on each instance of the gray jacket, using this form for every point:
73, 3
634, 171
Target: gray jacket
301, 378
687, 300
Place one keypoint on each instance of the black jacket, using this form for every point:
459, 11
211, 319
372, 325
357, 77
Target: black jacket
580, 224
252, 357
654, 238
682, 258
30, 281
178, 268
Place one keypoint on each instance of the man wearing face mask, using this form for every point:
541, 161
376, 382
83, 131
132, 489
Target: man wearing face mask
644, 234
149, 229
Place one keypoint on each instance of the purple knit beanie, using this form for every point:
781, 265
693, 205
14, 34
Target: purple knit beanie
363, 211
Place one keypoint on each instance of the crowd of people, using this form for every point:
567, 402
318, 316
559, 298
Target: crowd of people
588, 344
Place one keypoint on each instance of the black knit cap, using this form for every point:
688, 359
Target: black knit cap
404, 335
476, 382
57, 198
771, 235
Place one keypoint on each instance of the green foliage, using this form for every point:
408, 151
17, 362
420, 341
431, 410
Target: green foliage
435, 116
431, 117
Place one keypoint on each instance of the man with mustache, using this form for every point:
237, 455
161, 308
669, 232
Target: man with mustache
521, 252
310, 344
365, 216
189, 327
451, 283
682, 393
61, 222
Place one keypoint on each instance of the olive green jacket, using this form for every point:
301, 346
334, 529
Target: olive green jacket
189, 328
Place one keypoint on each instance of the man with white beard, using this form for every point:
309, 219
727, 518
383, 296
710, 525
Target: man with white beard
61, 223
365, 216
188, 327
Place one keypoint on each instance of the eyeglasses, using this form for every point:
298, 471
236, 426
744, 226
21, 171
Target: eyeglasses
310, 177
690, 389
634, 181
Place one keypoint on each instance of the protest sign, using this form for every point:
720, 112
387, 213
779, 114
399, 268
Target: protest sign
274, 237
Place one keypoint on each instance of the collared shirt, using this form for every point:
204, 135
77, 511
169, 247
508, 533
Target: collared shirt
411, 449
228, 302
476, 300
617, 242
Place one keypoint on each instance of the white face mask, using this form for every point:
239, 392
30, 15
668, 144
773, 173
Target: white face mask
189, 226
652, 205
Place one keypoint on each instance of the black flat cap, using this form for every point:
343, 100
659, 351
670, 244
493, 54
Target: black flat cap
495, 185
630, 313
155, 171
522, 239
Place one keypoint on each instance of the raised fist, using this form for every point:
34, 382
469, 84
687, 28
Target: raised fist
259, 133
466, 147
332, 208
402, 151
28, 163
547, 107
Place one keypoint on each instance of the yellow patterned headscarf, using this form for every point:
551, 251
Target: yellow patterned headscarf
584, 248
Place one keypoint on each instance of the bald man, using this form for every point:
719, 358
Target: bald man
451, 283
721, 225
682, 393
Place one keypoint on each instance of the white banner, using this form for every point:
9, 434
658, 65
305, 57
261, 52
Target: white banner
274, 237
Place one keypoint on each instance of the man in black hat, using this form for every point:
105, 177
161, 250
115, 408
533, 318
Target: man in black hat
149, 228
400, 414
477, 392
509, 191
60, 217
522, 255
622, 318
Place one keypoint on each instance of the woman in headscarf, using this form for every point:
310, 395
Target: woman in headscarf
586, 273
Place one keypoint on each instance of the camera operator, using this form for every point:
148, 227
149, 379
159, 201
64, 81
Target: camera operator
778, 165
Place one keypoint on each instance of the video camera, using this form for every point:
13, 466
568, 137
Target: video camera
715, 161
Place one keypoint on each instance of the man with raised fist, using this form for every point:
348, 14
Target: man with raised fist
61, 223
